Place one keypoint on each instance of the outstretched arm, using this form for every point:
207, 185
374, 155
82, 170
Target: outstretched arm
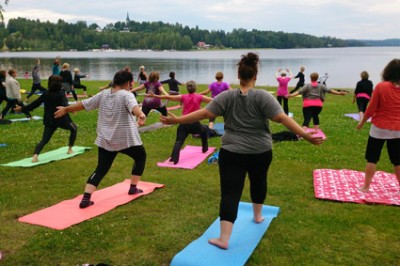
63, 110
189, 118
207, 91
176, 98
295, 128
141, 87
141, 117
291, 95
332, 91
206, 99
161, 88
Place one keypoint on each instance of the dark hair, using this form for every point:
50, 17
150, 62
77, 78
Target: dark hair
172, 74
392, 71
3, 74
364, 75
122, 77
191, 86
54, 83
248, 67
11, 72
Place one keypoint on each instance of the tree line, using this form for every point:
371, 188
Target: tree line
35, 35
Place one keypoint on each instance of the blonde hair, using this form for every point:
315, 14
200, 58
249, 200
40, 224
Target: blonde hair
65, 66
76, 70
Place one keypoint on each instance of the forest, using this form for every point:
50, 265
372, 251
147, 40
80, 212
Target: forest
23, 34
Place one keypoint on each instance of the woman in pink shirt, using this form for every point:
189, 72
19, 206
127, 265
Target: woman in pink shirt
191, 102
283, 91
384, 109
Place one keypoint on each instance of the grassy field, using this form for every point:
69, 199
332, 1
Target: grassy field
152, 229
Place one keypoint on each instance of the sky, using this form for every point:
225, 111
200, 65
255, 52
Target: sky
344, 19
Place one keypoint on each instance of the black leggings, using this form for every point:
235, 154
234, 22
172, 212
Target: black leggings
106, 158
362, 104
298, 86
49, 131
163, 110
285, 103
80, 86
233, 168
311, 112
35, 87
181, 134
12, 103
374, 149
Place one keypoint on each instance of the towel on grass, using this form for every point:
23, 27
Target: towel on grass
356, 117
68, 213
189, 158
342, 185
55, 155
245, 237
25, 119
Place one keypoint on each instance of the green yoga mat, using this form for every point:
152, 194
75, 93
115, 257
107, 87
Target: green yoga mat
55, 155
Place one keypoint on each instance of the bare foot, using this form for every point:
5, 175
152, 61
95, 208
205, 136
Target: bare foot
259, 219
70, 151
35, 158
219, 243
363, 189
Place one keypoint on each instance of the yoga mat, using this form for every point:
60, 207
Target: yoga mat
219, 128
3, 145
152, 127
25, 119
55, 155
67, 212
356, 117
245, 237
319, 133
190, 157
342, 185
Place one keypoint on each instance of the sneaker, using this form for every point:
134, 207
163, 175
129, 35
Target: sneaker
85, 203
134, 190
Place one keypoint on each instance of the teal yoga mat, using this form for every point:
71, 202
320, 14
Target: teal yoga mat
245, 237
55, 155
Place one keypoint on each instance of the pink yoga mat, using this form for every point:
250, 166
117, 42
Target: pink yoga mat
190, 157
67, 212
342, 185
319, 133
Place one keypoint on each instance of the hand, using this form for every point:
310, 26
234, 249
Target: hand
169, 120
150, 95
314, 139
360, 125
60, 112
17, 109
141, 119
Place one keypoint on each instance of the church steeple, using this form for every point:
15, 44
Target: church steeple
127, 18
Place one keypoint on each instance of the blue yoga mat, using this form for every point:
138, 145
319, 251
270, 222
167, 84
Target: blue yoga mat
219, 128
245, 237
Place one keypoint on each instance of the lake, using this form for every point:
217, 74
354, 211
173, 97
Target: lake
342, 64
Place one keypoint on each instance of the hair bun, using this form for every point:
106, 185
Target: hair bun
251, 59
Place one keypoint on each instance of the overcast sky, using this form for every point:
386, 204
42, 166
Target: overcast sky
345, 19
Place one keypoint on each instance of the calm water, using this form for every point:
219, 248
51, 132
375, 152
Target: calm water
342, 64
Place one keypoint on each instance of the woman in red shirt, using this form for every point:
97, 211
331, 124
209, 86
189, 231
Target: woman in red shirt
384, 109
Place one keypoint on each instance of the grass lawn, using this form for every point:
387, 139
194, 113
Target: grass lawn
152, 229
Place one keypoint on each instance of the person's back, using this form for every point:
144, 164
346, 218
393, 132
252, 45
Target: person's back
191, 102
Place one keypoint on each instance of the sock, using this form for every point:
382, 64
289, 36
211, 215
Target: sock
134, 190
85, 202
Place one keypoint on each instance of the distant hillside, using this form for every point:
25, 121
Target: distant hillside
387, 42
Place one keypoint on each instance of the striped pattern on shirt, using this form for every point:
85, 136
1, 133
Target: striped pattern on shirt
116, 125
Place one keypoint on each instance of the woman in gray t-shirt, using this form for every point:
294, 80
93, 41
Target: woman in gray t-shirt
247, 143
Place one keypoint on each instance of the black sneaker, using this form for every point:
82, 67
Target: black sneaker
134, 190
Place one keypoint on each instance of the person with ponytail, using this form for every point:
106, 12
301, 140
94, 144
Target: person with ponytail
247, 143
